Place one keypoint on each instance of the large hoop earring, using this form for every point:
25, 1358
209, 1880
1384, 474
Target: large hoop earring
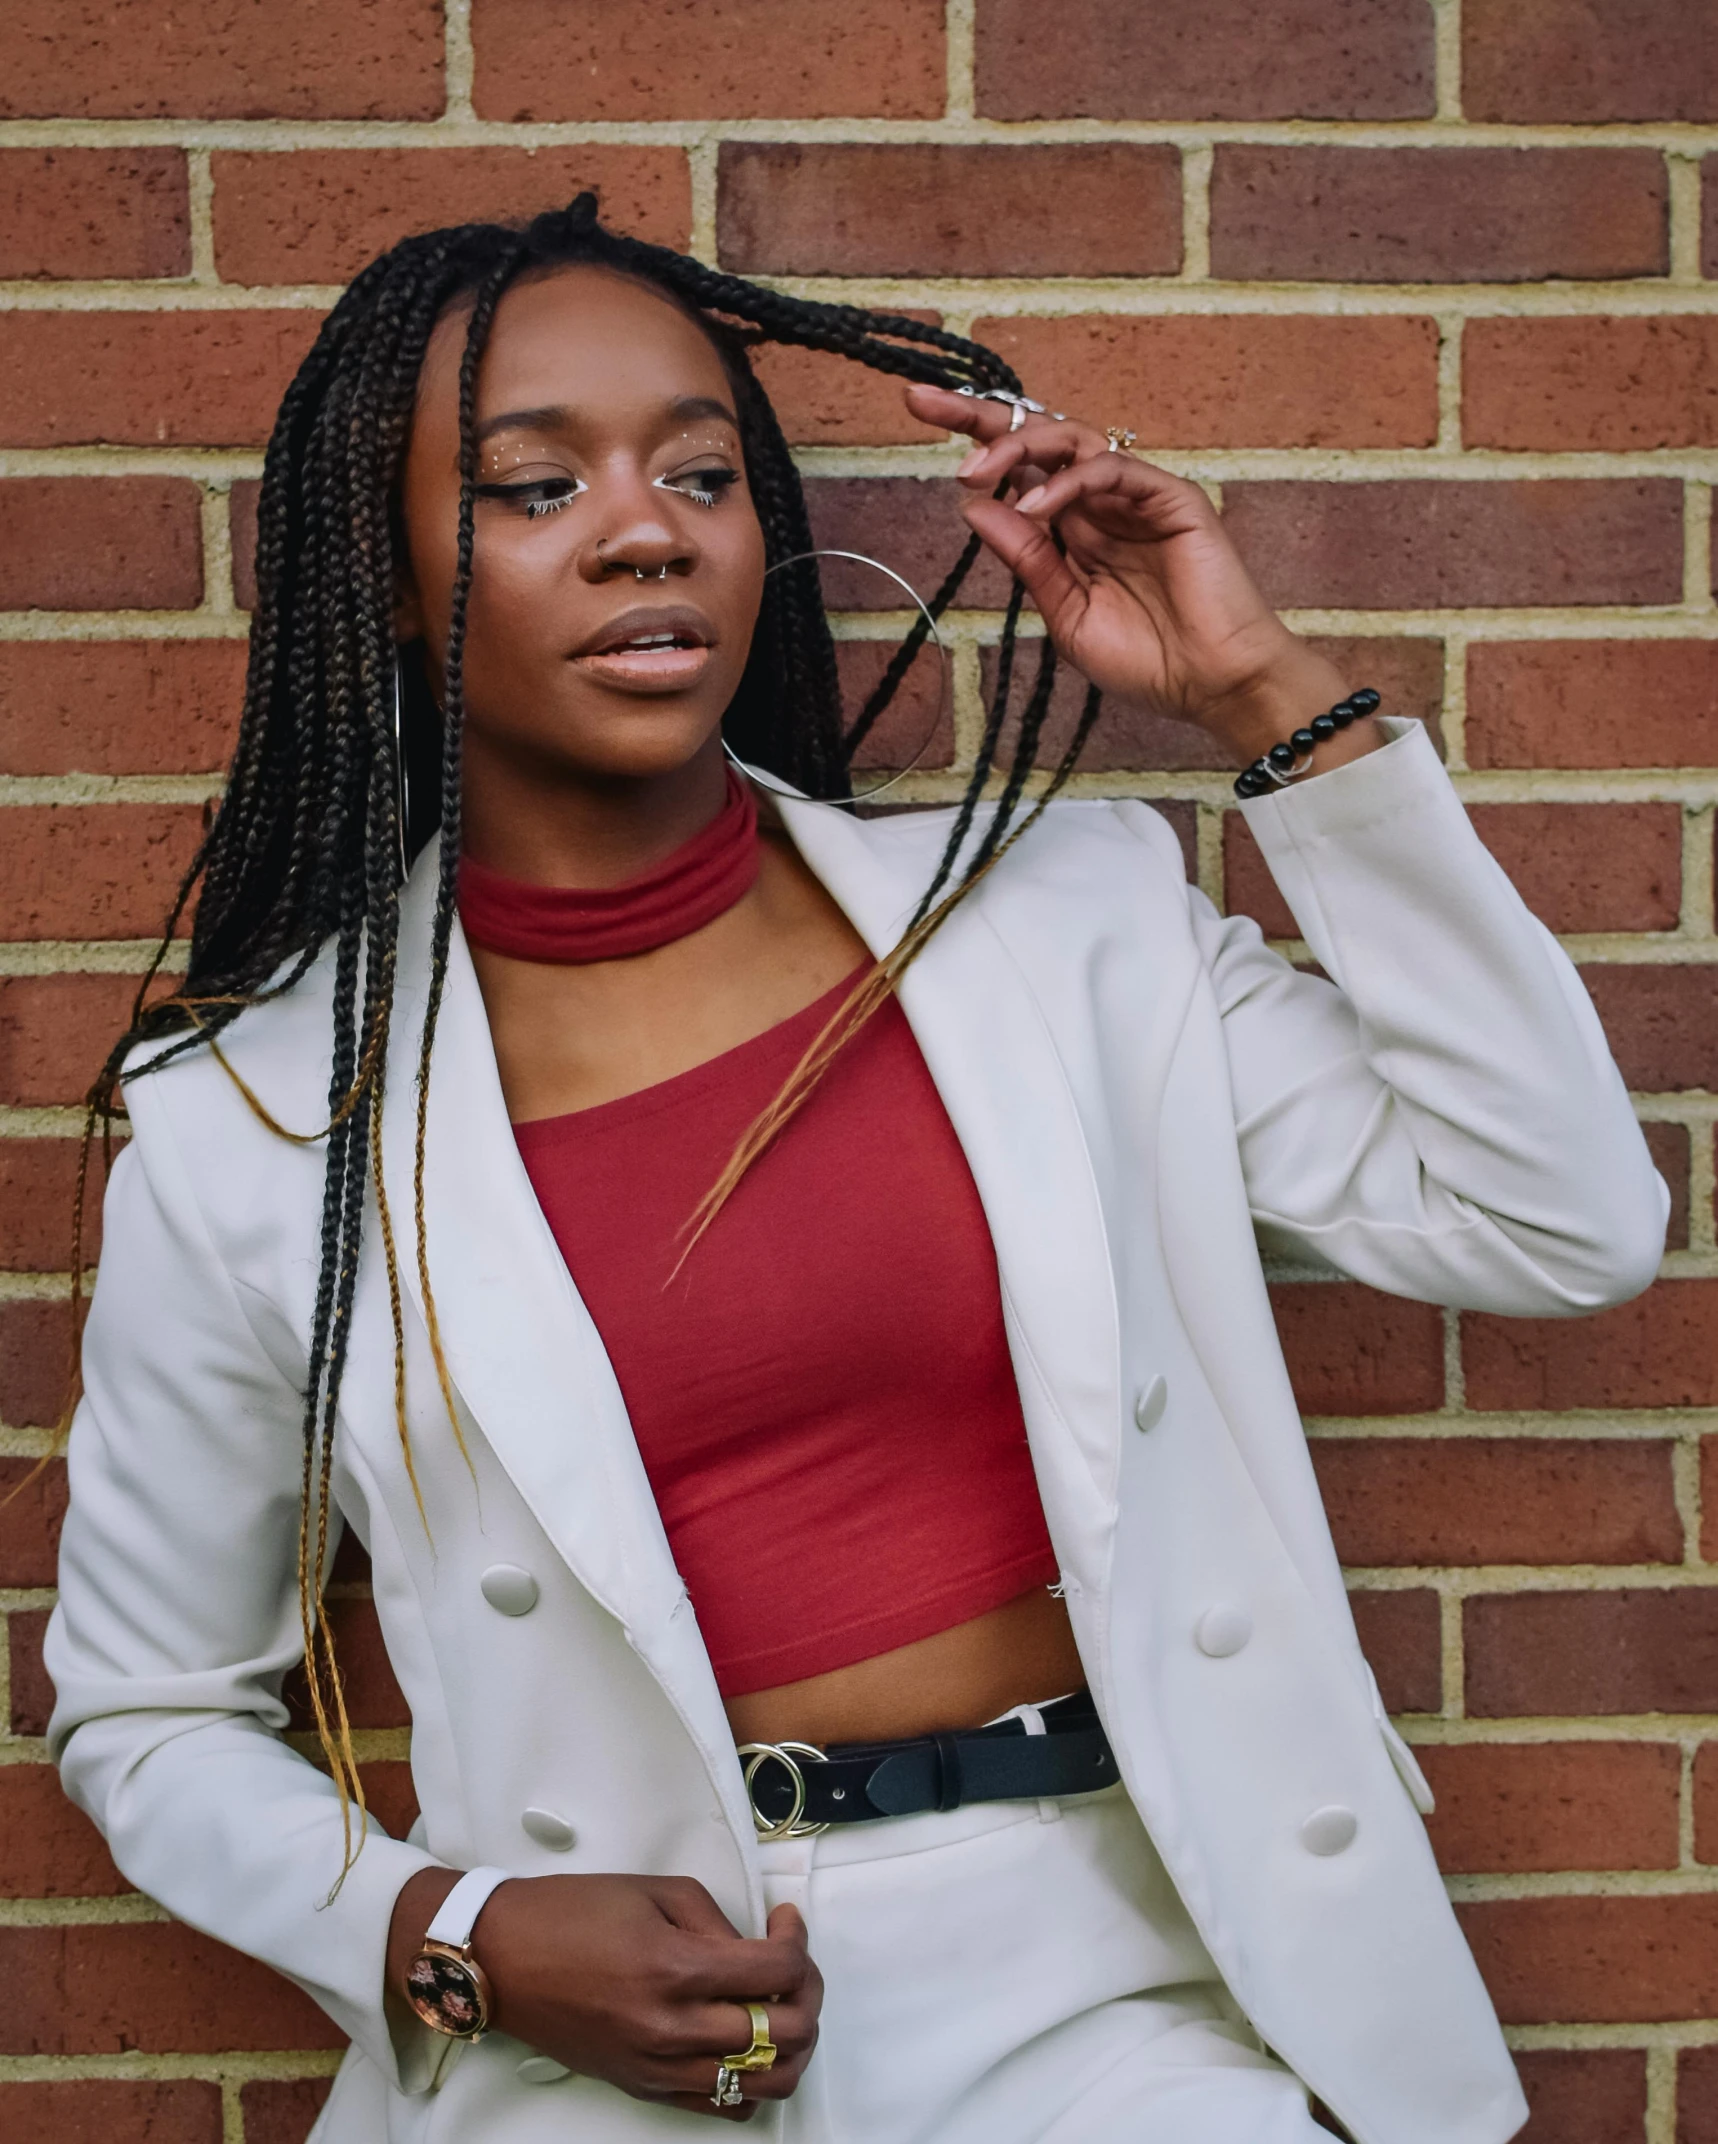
783, 789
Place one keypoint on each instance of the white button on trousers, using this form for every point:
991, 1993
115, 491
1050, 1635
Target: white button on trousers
994, 1979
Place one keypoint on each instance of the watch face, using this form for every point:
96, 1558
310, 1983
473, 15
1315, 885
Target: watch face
445, 1994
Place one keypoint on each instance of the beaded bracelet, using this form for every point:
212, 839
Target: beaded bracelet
1284, 761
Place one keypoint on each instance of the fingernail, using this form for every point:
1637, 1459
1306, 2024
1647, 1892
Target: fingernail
1028, 499
973, 463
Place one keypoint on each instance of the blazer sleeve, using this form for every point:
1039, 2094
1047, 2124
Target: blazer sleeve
178, 1616
1442, 1117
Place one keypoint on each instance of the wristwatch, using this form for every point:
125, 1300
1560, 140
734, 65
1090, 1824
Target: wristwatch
445, 1985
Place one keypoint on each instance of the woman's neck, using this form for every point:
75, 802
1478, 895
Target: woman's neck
553, 828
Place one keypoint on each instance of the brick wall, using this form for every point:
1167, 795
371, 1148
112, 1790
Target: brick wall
1416, 286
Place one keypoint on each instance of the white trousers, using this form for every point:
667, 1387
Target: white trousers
1017, 1973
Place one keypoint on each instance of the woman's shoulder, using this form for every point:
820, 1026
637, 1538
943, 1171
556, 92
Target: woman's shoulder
1085, 845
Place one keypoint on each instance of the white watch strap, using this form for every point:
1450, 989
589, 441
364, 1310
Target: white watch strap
459, 1910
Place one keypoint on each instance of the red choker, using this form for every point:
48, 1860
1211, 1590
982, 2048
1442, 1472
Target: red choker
703, 877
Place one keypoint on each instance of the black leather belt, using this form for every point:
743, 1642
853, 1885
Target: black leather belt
796, 1788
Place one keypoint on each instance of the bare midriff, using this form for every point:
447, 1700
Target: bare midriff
1020, 1654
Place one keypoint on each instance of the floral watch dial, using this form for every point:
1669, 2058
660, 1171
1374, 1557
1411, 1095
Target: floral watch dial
445, 1993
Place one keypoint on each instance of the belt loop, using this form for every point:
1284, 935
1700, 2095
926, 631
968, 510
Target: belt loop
949, 1781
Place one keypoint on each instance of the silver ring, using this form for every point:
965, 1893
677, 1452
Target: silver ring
727, 2092
661, 574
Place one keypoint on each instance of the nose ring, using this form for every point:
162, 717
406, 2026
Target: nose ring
661, 573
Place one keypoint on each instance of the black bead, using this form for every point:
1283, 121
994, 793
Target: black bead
1303, 741
1364, 700
1281, 756
1251, 783
1323, 726
1342, 714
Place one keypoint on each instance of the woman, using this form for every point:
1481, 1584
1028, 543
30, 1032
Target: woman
718, 1350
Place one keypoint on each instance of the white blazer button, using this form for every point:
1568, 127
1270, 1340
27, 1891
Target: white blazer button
507, 1587
1222, 1631
542, 2069
1329, 1831
1148, 1408
548, 1829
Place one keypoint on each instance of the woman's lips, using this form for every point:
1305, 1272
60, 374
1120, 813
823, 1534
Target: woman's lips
647, 670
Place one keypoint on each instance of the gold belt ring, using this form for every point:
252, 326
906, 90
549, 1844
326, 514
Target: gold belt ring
1120, 437
762, 2052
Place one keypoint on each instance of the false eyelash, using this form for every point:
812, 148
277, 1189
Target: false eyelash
536, 509
716, 481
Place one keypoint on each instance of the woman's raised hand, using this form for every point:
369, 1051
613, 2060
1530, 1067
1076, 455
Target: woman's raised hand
639, 1980
1146, 595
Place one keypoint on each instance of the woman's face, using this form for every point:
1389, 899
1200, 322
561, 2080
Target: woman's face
607, 450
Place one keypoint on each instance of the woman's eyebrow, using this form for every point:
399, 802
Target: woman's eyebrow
685, 409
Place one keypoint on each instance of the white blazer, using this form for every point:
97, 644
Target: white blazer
1145, 1095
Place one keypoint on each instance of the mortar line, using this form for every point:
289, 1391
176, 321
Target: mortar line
1682, 207
232, 2112
1452, 1655
215, 517
702, 158
200, 217
1660, 2095
1197, 159
1702, 1188
1697, 586
459, 60
1452, 719
1697, 832
1449, 384
1446, 59
960, 37
1455, 1370
1209, 819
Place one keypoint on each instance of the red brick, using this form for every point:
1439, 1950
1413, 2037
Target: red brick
739, 59
32, 1692
32, 1509
319, 215
827, 401
1661, 1350
1579, 867
37, 1183
909, 523
231, 59
100, 543
1352, 1350
1405, 215
242, 534
119, 706
1205, 59
1709, 216
390, 1796
1449, 1500
1709, 1498
55, 1034
1706, 1802
147, 379
917, 727
1554, 1805
373, 1697
1584, 2095
1671, 1153
1401, 1636
94, 212
152, 1986
1577, 1961
281, 2110
1697, 2096
1662, 1023
103, 2110
1613, 386
1411, 546
52, 1848
94, 870
1550, 61
35, 1362
789, 208
1592, 703
1234, 380
1623, 1650
1409, 673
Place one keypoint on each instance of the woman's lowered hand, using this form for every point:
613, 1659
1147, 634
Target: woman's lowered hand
640, 1980
1137, 580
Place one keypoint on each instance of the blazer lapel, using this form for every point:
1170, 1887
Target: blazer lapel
985, 1039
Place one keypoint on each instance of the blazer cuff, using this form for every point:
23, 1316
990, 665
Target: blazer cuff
1352, 797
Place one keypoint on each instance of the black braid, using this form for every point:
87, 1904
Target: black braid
305, 850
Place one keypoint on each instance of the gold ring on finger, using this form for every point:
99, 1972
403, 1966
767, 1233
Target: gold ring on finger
1120, 437
762, 2052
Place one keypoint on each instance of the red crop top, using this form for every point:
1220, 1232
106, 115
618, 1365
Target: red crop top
823, 1398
